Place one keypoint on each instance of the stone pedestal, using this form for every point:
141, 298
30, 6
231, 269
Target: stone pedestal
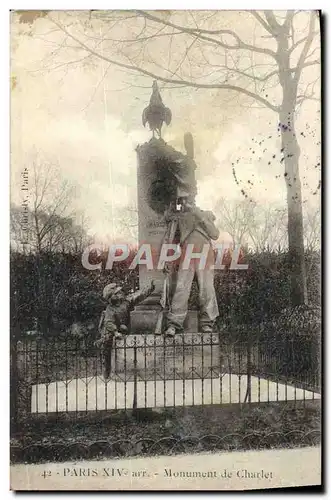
152, 358
151, 225
151, 230
144, 318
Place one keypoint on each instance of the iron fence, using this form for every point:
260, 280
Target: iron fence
64, 375
168, 445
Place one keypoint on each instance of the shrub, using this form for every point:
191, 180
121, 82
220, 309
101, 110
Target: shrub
54, 290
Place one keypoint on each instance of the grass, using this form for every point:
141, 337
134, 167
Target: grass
171, 431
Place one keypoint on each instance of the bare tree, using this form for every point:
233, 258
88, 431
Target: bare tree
235, 218
128, 220
50, 199
80, 238
65, 234
253, 225
267, 230
263, 58
53, 227
312, 227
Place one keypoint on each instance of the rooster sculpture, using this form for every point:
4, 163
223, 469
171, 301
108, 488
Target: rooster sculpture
156, 112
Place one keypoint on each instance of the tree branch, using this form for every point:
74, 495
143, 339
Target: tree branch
302, 98
272, 21
262, 21
288, 20
305, 49
310, 63
198, 33
184, 83
183, 29
296, 44
291, 70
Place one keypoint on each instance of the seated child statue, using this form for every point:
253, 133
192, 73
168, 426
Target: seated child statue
115, 318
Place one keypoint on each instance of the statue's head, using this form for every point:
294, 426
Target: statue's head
113, 293
186, 203
118, 297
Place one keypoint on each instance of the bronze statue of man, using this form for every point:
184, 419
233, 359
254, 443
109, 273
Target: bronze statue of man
196, 228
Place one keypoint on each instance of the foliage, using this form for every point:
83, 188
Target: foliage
174, 431
302, 321
55, 288
263, 291
70, 292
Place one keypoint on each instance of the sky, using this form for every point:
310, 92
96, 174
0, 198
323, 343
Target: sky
85, 119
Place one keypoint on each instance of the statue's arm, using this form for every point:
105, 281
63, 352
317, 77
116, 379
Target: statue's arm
207, 219
171, 219
140, 295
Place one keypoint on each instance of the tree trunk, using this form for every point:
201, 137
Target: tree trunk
291, 153
291, 156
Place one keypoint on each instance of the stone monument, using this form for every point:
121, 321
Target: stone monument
159, 183
164, 176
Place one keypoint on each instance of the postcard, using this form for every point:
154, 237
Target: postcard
165, 250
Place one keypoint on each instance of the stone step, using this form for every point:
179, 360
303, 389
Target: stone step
95, 394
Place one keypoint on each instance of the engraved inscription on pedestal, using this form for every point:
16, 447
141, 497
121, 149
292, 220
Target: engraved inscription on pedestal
186, 356
151, 225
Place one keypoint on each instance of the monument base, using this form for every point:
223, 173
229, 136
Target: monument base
87, 395
143, 320
155, 357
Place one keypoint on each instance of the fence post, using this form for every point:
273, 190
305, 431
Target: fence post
134, 404
248, 397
